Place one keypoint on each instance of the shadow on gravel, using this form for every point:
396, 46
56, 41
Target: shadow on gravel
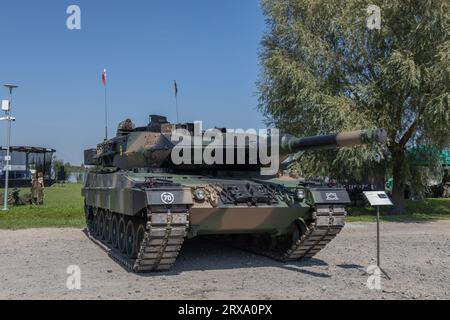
351, 266
201, 254
307, 272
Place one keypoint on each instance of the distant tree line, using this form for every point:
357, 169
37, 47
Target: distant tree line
65, 169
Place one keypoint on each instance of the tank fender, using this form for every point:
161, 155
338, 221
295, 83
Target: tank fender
330, 196
169, 197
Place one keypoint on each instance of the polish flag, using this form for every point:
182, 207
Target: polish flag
104, 77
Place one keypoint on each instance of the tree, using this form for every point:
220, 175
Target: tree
325, 70
57, 165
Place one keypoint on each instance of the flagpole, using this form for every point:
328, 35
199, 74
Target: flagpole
105, 83
106, 114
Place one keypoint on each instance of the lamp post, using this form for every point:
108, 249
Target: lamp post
10, 119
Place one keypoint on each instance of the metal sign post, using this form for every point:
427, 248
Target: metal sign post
379, 199
6, 106
7, 159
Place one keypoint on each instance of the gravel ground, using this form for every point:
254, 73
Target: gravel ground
33, 265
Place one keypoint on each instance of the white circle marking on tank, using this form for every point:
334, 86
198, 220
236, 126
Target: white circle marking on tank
167, 198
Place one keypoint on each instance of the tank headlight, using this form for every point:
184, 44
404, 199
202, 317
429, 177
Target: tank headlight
301, 195
200, 194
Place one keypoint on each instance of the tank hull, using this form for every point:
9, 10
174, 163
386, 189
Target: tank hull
143, 203
142, 219
244, 220
127, 194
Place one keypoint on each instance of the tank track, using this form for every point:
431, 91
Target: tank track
165, 231
327, 223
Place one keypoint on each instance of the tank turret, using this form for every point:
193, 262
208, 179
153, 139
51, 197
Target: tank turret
151, 147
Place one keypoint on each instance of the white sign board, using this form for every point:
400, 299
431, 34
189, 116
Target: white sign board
378, 198
5, 105
7, 158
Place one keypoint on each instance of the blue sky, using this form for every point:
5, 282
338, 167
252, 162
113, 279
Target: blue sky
209, 46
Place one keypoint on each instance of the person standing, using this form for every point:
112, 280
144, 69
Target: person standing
40, 189
33, 189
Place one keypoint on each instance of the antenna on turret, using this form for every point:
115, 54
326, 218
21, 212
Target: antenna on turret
175, 90
106, 104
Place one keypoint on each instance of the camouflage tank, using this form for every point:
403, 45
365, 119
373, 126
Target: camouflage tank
140, 206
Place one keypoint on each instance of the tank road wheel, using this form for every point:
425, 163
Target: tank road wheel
296, 231
95, 224
299, 230
115, 231
140, 235
90, 225
101, 225
121, 234
107, 228
89, 219
130, 240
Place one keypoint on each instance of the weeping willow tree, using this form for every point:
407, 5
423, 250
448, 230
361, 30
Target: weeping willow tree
325, 70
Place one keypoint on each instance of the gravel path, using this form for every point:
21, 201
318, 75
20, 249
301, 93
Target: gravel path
33, 265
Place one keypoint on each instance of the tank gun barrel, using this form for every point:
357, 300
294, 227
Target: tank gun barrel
291, 145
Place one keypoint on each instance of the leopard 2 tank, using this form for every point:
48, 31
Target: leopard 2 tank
141, 204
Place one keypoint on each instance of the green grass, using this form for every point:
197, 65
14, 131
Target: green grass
63, 208
416, 211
